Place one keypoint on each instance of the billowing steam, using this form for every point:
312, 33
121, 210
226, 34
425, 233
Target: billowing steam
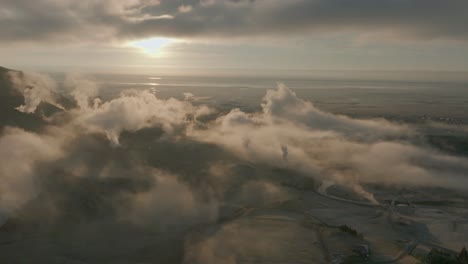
20, 153
135, 110
139, 161
326, 146
36, 88
82, 90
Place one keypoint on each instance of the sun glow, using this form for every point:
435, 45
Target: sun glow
152, 46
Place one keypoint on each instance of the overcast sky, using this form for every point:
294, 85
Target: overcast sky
206, 36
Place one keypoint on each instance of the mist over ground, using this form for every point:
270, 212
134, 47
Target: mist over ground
89, 176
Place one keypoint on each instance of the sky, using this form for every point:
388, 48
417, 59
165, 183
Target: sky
240, 36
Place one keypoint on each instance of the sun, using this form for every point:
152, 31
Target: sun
152, 46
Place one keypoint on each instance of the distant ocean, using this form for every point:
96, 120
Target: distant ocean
404, 100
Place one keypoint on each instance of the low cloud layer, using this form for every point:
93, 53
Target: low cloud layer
289, 132
139, 164
90, 21
331, 147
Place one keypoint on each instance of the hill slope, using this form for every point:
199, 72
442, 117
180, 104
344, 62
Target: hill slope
9, 99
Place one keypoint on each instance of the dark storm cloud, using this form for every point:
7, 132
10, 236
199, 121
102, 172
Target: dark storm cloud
92, 20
